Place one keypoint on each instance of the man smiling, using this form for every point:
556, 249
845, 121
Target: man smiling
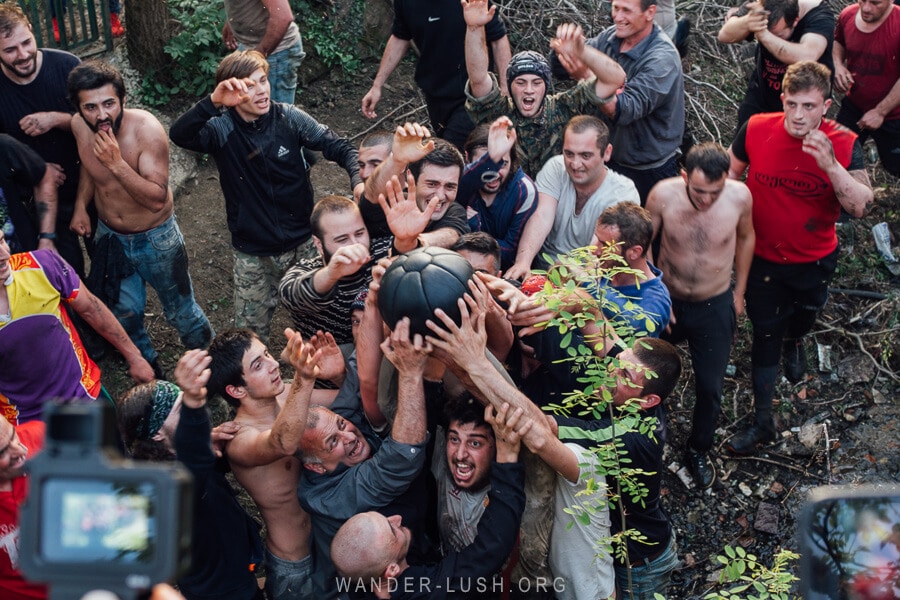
573, 190
537, 113
348, 469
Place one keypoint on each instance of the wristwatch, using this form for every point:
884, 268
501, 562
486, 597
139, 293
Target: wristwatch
47, 236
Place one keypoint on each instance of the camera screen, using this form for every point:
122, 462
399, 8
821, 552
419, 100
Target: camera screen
91, 520
853, 549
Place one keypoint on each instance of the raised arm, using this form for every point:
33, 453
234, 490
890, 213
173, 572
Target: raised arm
852, 188
502, 55
477, 14
368, 349
411, 143
569, 45
741, 23
148, 182
252, 447
410, 357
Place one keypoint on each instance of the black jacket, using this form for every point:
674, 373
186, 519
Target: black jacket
264, 177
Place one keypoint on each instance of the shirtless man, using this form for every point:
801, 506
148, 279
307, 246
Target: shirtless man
261, 453
704, 222
125, 171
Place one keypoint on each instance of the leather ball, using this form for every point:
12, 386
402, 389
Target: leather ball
420, 281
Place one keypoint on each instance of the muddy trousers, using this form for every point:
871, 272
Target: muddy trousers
782, 303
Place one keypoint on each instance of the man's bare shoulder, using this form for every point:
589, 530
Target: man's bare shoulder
143, 125
667, 193
737, 192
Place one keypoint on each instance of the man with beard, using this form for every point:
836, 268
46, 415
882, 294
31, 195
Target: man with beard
704, 223
319, 292
258, 148
35, 110
125, 172
463, 472
499, 197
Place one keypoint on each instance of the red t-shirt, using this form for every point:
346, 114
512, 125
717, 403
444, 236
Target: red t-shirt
873, 58
12, 585
794, 206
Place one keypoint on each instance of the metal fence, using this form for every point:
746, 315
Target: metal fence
83, 25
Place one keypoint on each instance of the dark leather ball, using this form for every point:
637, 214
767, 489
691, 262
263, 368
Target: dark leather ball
420, 281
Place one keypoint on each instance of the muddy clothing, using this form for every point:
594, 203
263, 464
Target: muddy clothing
256, 280
540, 137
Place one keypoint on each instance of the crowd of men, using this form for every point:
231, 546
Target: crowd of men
403, 464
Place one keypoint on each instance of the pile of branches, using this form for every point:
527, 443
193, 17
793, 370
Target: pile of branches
715, 77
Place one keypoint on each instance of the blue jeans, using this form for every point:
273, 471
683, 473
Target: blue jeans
651, 578
283, 67
159, 258
289, 579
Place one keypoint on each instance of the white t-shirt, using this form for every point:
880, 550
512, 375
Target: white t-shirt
569, 230
574, 551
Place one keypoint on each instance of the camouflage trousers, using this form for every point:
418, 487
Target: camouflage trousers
256, 281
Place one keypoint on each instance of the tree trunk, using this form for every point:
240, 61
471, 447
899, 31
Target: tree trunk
149, 29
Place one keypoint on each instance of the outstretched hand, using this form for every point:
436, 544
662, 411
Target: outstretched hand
409, 355
191, 375
404, 218
411, 143
501, 138
301, 355
477, 13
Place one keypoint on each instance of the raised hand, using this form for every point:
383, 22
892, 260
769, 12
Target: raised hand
477, 13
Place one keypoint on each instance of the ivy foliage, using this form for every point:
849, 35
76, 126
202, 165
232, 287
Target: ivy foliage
195, 52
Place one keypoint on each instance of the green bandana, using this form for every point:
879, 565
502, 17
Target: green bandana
158, 410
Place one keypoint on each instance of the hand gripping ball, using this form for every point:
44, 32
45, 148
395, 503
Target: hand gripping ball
419, 282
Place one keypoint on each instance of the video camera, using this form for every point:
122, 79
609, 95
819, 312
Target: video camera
850, 543
96, 520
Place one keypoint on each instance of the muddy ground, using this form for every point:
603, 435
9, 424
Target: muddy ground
755, 501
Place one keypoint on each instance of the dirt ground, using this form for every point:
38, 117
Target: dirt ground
755, 501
